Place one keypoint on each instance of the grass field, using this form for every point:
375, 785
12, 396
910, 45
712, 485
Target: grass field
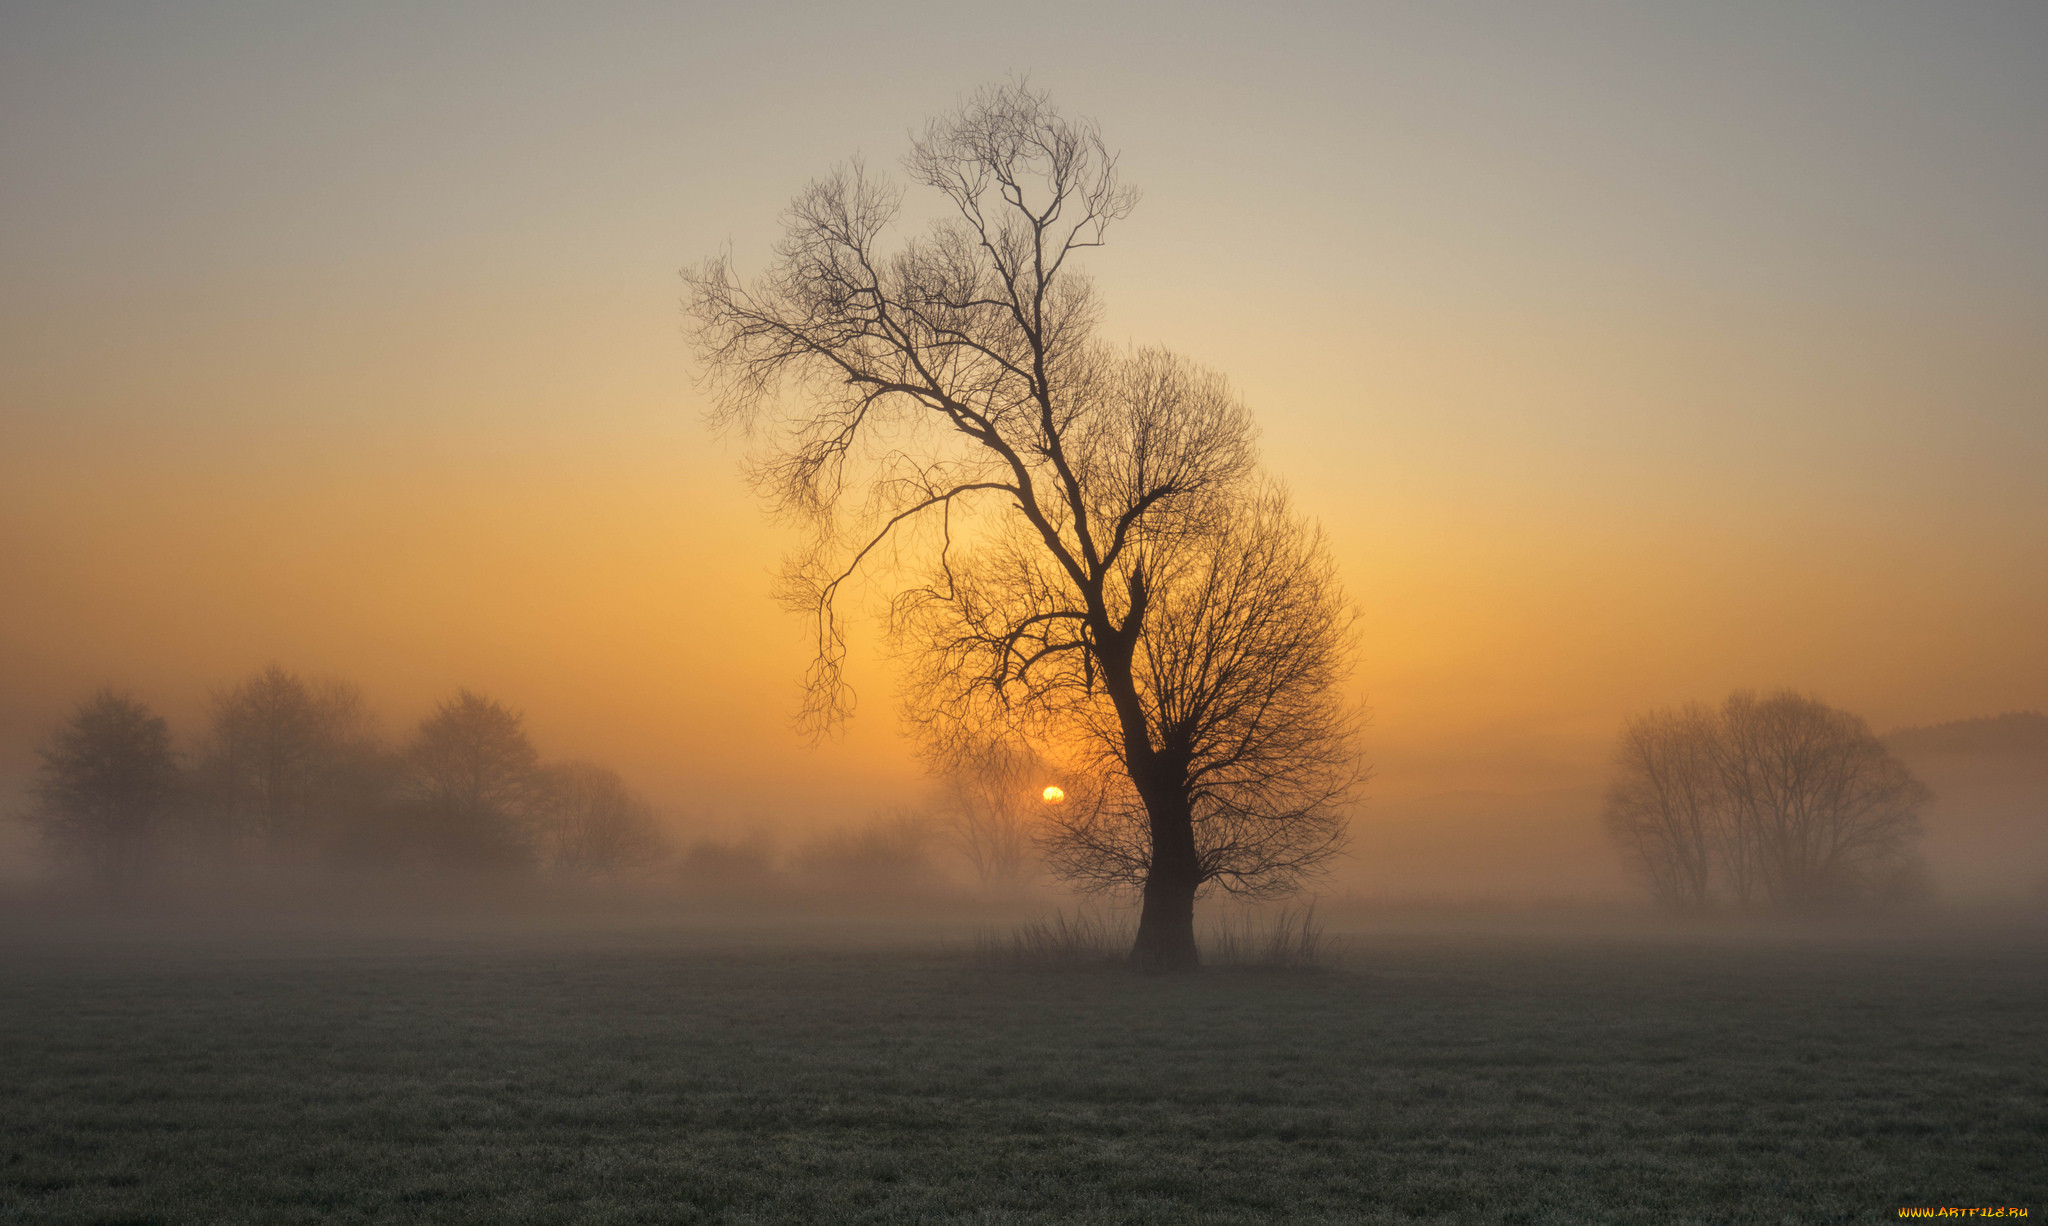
655, 1077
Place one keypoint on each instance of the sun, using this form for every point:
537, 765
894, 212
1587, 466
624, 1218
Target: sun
1054, 794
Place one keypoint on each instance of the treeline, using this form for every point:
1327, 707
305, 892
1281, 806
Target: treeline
292, 771
1775, 800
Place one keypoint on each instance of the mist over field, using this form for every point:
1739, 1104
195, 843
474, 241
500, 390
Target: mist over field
1984, 842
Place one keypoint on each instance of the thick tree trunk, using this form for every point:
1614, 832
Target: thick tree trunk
1166, 925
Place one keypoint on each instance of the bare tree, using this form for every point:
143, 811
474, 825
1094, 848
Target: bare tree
1827, 812
1666, 808
594, 824
1779, 798
989, 793
107, 786
282, 755
476, 783
1056, 508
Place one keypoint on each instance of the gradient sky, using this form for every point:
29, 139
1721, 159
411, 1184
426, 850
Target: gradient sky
1629, 353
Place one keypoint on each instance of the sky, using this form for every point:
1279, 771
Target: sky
1628, 353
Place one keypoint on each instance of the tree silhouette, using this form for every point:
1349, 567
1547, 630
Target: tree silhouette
1822, 812
1236, 673
1666, 808
105, 789
284, 756
1058, 513
1777, 798
989, 792
593, 823
476, 783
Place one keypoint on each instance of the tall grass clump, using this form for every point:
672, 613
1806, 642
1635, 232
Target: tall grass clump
1288, 939
1058, 943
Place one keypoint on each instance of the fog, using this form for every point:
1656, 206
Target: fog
1535, 854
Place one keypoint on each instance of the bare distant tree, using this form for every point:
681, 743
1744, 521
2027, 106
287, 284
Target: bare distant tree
1056, 507
282, 755
1666, 808
107, 786
991, 792
1778, 798
594, 824
1827, 812
476, 783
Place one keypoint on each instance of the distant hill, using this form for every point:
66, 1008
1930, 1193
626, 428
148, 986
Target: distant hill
1987, 828
2021, 735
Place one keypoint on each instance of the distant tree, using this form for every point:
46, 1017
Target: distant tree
1056, 508
1777, 798
1666, 808
990, 792
593, 824
476, 784
107, 786
1824, 811
284, 759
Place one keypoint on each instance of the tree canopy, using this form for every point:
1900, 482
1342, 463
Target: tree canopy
1082, 552
1776, 798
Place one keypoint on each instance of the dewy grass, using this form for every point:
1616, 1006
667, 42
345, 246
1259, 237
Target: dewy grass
642, 1078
